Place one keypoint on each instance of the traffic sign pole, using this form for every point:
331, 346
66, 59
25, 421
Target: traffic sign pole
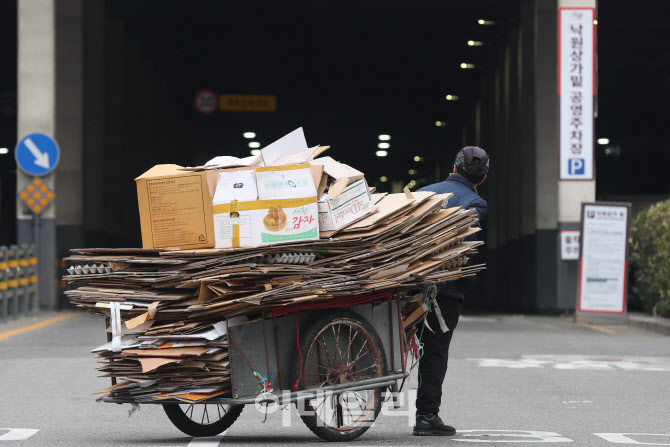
37, 156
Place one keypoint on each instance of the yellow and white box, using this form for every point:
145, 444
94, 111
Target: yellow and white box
265, 222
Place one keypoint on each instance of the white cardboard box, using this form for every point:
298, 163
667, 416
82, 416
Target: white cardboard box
285, 182
265, 222
352, 204
235, 185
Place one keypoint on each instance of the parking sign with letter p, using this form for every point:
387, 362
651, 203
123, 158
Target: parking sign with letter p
576, 166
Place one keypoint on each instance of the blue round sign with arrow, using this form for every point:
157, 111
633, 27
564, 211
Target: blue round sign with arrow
37, 154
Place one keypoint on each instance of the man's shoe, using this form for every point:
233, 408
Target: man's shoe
432, 425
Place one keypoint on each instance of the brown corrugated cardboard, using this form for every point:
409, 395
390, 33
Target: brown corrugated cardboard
175, 208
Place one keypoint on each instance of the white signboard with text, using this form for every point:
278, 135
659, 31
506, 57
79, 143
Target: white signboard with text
576, 87
569, 245
603, 267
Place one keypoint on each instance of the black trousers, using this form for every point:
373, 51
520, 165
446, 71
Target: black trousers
433, 363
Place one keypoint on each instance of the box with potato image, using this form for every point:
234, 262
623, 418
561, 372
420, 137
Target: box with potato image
265, 222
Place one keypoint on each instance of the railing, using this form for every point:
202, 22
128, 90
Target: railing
18, 281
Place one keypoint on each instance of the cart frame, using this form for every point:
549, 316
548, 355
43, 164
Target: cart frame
378, 312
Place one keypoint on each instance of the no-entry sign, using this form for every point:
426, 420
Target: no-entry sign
205, 102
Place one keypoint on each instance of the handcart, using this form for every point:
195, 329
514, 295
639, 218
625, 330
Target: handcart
334, 359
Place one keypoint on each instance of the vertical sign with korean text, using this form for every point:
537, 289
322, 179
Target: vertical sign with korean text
569, 245
604, 254
576, 87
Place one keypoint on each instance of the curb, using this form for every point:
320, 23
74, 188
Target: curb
649, 323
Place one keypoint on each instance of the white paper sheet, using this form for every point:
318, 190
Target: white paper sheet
289, 144
219, 329
227, 161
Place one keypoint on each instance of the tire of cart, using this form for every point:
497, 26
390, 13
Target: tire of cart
202, 419
339, 347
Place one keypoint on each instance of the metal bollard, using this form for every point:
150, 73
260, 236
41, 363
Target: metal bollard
32, 278
3, 283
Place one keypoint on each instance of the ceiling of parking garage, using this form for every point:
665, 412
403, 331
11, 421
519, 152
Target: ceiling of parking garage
358, 68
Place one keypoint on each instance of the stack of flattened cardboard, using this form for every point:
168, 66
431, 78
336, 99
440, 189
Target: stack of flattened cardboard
170, 308
157, 364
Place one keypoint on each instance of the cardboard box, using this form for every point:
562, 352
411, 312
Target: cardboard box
175, 208
235, 185
342, 175
285, 182
213, 175
350, 205
266, 222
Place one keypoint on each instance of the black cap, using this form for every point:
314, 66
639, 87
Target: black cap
473, 160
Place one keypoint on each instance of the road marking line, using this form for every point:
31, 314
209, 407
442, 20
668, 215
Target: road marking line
600, 328
477, 320
622, 438
17, 434
499, 435
39, 325
579, 362
211, 441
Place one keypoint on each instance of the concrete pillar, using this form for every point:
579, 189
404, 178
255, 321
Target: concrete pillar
558, 202
526, 106
546, 153
94, 121
69, 124
36, 104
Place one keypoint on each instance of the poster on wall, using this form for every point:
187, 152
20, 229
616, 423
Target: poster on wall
576, 87
603, 260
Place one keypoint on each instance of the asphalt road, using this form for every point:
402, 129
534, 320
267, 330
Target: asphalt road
512, 379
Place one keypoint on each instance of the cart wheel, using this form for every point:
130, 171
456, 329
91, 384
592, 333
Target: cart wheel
202, 419
338, 348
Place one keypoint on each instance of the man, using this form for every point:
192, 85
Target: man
470, 170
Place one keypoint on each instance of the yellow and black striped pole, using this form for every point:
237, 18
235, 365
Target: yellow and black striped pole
4, 266
32, 277
13, 290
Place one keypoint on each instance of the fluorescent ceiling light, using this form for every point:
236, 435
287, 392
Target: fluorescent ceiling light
383, 145
381, 153
254, 144
4, 150
603, 141
249, 135
255, 151
384, 137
